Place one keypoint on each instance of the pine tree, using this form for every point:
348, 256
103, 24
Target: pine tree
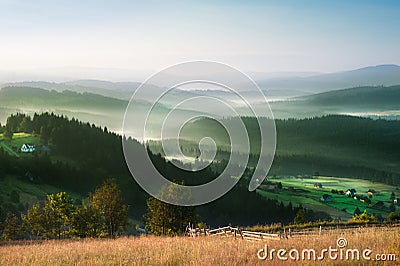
300, 217
357, 211
8, 134
392, 196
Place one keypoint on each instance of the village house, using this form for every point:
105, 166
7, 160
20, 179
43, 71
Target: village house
351, 192
326, 198
28, 148
318, 185
362, 198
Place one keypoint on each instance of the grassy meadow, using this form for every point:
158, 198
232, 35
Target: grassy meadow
341, 206
152, 250
13, 147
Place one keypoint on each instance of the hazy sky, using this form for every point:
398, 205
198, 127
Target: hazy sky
264, 36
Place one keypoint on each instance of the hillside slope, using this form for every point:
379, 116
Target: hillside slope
373, 98
385, 75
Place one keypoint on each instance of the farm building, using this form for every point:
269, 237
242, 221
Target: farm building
351, 192
317, 185
290, 188
365, 199
28, 148
396, 201
326, 198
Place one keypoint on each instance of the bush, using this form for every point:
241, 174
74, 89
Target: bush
393, 217
364, 217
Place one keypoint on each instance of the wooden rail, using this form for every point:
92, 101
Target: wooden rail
229, 231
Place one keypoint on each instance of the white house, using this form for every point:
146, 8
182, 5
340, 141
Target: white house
28, 148
351, 192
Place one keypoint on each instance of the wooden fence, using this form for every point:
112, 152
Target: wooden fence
229, 231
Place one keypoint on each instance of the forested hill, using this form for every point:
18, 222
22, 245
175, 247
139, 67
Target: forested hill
330, 145
372, 97
82, 156
38, 97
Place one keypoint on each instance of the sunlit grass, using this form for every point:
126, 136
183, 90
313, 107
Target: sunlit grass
153, 250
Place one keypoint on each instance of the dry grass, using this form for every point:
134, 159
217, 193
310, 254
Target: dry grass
215, 250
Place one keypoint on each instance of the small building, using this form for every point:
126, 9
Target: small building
326, 198
365, 199
318, 185
290, 188
351, 192
357, 197
28, 148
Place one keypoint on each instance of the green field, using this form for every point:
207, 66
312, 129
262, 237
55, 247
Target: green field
13, 147
341, 206
29, 193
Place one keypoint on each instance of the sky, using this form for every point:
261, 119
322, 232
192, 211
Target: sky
254, 36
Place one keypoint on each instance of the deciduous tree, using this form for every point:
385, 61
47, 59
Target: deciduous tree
112, 211
11, 227
167, 219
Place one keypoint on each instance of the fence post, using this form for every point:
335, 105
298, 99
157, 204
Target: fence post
290, 232
187, 230
241, 234
320, 229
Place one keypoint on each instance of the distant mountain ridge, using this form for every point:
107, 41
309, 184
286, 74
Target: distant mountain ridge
381, 75
119, 90
89, 99
33, 96
285, 85
371, 96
